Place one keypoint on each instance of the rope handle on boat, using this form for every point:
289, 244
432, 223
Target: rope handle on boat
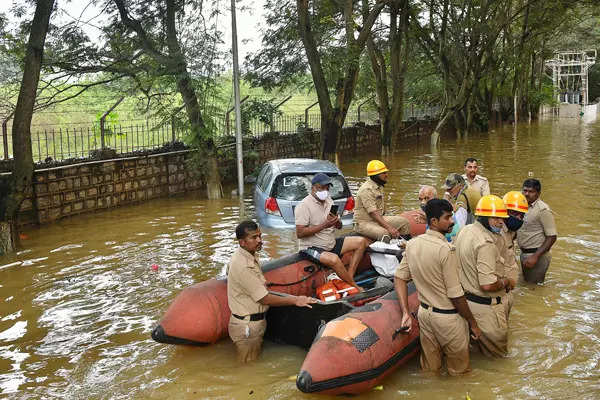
309, 268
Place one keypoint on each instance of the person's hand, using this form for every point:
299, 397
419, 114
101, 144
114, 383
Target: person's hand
394, 233
332, 220
530, 261
360, 289
406, 321
305, 301
510, 285
448, 196
475, 331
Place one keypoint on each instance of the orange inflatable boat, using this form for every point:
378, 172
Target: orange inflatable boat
200, 314
357, 350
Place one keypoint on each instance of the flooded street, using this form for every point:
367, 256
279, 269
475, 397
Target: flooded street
77, 304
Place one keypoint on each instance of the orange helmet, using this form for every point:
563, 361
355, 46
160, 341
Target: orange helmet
376, 167
491, 206
516, 201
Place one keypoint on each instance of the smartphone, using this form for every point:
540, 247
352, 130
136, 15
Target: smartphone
334, 209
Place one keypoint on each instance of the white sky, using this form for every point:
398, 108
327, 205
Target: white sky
248, 21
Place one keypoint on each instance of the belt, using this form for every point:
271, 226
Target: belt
439, 310
253, 317
483, 300
529, 250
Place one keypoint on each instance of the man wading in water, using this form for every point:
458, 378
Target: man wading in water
537, 235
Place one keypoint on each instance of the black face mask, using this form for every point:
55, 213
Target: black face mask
377, 180
513, 223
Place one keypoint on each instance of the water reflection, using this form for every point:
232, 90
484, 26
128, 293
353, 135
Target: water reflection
78, 302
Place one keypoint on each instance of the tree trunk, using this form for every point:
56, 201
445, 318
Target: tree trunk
329, 136
22, 174
332, 119
185, 86
6, 238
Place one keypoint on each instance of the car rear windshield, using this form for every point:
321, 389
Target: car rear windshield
295, 187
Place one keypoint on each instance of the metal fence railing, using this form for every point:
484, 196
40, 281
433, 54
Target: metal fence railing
79, 141
62, 143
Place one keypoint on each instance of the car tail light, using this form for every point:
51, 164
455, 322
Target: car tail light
349, 207
271, 207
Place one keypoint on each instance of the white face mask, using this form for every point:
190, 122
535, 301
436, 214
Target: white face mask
322, 195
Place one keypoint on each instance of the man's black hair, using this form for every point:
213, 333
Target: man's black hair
533, 183
470, 159
435, 209
241, 231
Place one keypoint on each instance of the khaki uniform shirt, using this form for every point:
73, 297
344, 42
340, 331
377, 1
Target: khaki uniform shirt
368, 199
479, 183
480, 260
472, 195
538, 223
246, 284
432, 264
507, 252
311, 212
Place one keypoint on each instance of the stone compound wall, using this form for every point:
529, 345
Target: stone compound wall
65, 191
97, 185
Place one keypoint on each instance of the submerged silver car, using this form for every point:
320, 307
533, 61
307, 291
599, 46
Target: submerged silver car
283, 183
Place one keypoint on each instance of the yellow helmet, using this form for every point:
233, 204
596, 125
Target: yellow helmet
515, 201
491, 206
376, 167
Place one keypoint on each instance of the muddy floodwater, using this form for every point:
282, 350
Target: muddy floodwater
78, 302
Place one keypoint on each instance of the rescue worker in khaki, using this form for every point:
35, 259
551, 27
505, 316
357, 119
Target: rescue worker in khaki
516, 206
482, 274
463, 197
369, 214
477, 182
537, 235
444, 317
248, 296
315, 229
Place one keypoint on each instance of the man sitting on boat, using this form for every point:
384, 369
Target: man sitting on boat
369, 214
248, 296
315, 229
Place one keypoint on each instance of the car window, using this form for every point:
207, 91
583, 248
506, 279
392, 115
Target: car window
264, 177
297, 187
261, 177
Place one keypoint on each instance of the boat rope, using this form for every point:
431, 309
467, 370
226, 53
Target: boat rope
311, 268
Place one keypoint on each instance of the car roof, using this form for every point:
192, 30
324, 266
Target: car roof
289, 165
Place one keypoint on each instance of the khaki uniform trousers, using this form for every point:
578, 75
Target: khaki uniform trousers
443, 335
537, 274
375, 231
247, 337
508, 300
493, 322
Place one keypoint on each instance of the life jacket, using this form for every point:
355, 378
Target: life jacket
335, 290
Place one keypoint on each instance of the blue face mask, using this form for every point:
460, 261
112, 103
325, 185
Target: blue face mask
513, 224
495, 230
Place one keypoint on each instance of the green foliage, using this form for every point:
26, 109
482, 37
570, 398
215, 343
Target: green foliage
111, 120
258, 109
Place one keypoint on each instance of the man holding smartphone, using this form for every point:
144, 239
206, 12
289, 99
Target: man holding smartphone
315, 229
